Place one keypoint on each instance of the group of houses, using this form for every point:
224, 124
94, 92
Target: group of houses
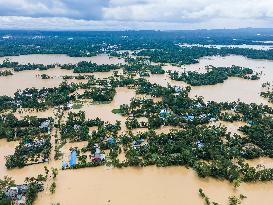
98, 156
36, 143
46, 126
17, 194
164, 113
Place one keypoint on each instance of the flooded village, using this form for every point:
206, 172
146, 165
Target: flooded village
108, 143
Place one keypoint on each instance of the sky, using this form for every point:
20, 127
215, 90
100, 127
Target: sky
135, 14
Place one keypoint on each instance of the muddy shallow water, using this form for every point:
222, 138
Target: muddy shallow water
140, 186
27, 79
61, 59
232, 89
255, 47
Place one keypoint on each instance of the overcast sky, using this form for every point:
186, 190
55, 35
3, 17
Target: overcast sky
135, 14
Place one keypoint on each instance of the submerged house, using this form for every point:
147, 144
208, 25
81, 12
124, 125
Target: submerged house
213, 119
250, 122
189, 118
37, 143
111, 141
163, 113
77, 127
69, 106
17, 194
136, 144
178, 89
200, 144
73, 158
45, 125
14, 191
64, 165
98, 156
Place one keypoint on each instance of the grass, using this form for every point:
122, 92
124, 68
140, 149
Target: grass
116, 111
77, 106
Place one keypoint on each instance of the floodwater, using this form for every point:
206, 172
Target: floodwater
140, 186
104, 111
255, 47
247, 91
264, 161
232, 127
62, 59
28, 79
235, 88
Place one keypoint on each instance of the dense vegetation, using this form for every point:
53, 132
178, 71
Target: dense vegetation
33, 134
89, 67
6, 182
214, 75
98, 94
30, 151
13, 128
190, 55
45, 76
232, 200
268, 92
195, 141
209, 150
45, 97
142, 66
164, 45
19, 67
6, 73
32, 186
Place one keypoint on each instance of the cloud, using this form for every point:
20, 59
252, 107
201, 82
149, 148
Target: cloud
60, 23
89, 14
75, 9
188, 10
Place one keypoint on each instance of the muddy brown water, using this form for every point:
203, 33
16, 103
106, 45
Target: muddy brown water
27, 79
142, 186
62, 59
232, 89
255, 47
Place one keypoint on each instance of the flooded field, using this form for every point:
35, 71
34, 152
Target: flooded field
232, 89
137, 186
27, 79
104, 111
61, 59
142, 186
256, 47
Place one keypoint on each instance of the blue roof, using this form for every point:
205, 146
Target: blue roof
73, 158
189, 117
250, 122
65, 165
111, 141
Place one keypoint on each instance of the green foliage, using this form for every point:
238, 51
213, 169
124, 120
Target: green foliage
6, 73
268, 94
214, 75
101, 94
45, 97
52, 188
34, 151
77, 106
45, 76
89, 67
18, 67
